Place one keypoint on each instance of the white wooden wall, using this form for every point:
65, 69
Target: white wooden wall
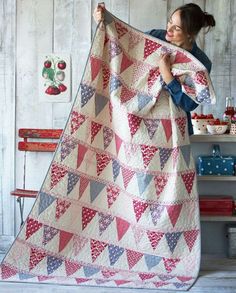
31, 27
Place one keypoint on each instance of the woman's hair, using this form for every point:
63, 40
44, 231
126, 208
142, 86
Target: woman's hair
193, 19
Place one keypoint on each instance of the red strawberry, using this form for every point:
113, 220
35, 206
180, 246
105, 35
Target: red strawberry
62, 87
52, 90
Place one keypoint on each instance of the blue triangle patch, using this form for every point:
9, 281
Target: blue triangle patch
152, 260
104, 221
45, 201
95, 189
86, 94
114, 83
53, 263
186, 150
89, 271
143, 100
172, 239
115, 168
143, 180
114, 253
100, 103
72, 181
23, 276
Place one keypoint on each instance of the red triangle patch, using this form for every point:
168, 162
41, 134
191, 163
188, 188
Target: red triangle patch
181, 122
134, 123
122, 226
125, 63
139, 208
76, 121
126, 95
112, 194
166, 123
95, 66
83, 185
153, 76
133, 257
81, 153
71, 267
121, 30
150, 47
78, 243
121, 282
146, 276
81, 280
154, 238
188, 179
106, 76
127, 176
57, 173
160, 183
170, 263
190, 238
36, 256
64, 238
62, 207
7, 272
108, 273
87, 216
95, 127
148, 152
102, 161
181, 58
32, 226
97, 248
174, 212
118, 141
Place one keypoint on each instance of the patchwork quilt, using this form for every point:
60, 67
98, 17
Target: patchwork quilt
119, 204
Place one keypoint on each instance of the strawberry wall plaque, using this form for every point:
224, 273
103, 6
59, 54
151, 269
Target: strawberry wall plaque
54, 78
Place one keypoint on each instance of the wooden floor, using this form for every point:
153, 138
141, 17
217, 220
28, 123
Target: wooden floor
216, 276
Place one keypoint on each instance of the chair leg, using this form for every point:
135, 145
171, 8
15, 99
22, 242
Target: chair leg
21, 205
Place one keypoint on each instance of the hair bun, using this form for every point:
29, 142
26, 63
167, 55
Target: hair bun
209, 20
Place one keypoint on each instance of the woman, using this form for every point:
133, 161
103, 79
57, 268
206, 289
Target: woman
182, 30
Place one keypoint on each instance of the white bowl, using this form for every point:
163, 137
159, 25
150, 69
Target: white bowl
217, 129
200, 125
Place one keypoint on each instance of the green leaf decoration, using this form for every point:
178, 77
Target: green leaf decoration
50, 73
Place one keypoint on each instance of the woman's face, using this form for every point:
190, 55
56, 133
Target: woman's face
175, 33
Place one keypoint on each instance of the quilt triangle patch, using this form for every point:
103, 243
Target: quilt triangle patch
190, 238
87, 93
95, 189
79, 243
156, 212
112, 193
138, 233
114, 49
126, 94
188, 179
83, 185
130, 150
134, 123
97, 248
153, 76
134, 39
140, 71
148, 152
100, 103
143, 181
104, 220
174, 212
53, 263
45, 200
115, 169
122, 227
57, 173
150, 47
154, 238
108, 135
127, 176
143, 100
115, 83
95, 128
146, 276
87, 216
77, 120
106, 74
175, 155
181, 123
7, 272
133, 257
152, 125
186, 152
118, 141
64, 238
95, 66
49, 233
72, 181
152, 260
164, 153
139, 208
61, 207
170, 263
125, 63
67, 145
160, 183
166, 123
71, 267
181, 58
36, 255
32, 226
102, 161
172, 239
81, 153
115, 253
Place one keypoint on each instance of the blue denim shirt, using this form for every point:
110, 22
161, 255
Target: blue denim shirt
174, 87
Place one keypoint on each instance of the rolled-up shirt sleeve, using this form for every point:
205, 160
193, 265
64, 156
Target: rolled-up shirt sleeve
179, 98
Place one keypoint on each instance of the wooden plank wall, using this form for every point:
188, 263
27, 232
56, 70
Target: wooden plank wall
67, 26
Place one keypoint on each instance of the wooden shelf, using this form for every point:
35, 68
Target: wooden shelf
213, 138
218, 218
216, 178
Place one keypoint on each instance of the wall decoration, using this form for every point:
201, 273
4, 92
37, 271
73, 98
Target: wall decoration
54, 78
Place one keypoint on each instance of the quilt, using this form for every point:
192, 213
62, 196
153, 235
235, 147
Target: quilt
119, 204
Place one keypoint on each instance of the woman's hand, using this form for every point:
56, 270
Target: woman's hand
98, 13
165, 68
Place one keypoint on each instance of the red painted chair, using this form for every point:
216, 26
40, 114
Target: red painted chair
29, 146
